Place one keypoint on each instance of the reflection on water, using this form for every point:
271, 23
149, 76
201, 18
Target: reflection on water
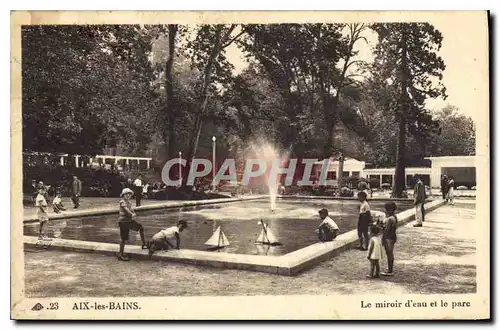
293, 223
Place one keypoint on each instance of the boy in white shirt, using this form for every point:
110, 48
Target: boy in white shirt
161, 240
42, 212
364, 221
328, 229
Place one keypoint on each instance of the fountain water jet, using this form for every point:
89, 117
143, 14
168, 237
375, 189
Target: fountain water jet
268, 152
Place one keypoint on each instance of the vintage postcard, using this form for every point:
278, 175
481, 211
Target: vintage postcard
250, 165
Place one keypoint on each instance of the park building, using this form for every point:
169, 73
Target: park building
121, 162
461, 168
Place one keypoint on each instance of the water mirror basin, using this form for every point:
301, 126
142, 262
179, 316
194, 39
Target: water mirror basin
293, 222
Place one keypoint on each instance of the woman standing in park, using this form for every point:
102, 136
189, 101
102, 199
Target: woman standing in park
451, 191
444, 187
419, 197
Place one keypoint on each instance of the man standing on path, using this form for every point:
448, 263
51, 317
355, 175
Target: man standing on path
444, 186
419, 197
76, 191
138, 190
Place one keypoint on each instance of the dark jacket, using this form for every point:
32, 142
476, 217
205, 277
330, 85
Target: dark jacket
419, 192
77, 187
444, 184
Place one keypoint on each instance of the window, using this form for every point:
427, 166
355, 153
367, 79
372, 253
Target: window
331, 175
387, 179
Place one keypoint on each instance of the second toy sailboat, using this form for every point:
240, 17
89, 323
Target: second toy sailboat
217, 240
266, 235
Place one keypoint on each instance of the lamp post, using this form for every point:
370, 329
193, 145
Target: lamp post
213, 161
341, 171
180, 166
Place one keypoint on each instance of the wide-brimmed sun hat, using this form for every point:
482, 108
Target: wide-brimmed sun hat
126, 191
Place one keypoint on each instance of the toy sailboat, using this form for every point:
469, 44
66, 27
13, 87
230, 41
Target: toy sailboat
266, 235
217, 240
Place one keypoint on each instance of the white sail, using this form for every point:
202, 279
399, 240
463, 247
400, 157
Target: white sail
267, 236
218, 239
223, 239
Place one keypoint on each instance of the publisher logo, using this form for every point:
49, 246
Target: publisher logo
37, 307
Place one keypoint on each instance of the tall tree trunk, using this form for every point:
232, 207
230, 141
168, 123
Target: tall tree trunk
328, 147
399, 175
170, 136
207, 74
331, 114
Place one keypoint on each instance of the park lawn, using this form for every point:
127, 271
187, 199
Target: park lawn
436, 259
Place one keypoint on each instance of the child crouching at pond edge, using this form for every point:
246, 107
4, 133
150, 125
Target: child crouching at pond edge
161, 240
127, 224
328, 229
374, 252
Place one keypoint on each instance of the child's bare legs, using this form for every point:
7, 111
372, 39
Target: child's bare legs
141, 232
360, 237
366, 237
43, 229
374, 269
156, 246
389, 250
152, 249
121, 254
124, 236
136, 226
40, 234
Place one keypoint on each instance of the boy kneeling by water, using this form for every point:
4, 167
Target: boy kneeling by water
328, 229
161, 240
127, 223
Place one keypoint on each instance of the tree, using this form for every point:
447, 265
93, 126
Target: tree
86, 87
169, 137
208, 55
406, 57
457, 134
253, 106
309, 64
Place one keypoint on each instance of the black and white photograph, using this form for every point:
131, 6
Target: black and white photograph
314, 165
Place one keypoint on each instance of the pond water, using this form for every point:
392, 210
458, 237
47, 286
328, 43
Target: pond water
293, 222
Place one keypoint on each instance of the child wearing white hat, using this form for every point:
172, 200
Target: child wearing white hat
127, 223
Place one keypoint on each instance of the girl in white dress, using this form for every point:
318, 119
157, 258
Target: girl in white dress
374, 252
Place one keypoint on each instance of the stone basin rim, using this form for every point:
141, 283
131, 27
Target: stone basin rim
289, 264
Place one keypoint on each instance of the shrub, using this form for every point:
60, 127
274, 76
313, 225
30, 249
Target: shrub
346, 192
